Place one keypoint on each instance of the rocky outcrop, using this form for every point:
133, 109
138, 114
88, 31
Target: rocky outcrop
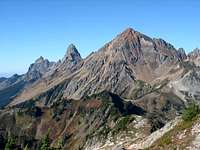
149, 140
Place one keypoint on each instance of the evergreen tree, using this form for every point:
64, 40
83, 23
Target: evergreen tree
190, 112
45, 142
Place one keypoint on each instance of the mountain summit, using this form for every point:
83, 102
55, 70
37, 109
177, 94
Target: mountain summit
39, 60
39, 68
72, 54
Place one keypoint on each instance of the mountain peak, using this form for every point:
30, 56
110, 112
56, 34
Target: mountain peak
181, 53
197, 50
71, 49
133, 36
195, 53
72, 53
127, 36
129, 32
38, 68
39, 60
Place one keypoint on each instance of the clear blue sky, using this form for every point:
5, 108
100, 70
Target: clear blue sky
31, 28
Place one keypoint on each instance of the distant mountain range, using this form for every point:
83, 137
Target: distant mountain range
132, 76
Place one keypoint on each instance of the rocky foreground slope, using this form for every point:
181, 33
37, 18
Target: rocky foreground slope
127, 94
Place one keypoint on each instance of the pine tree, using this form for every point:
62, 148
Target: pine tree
190, 112
45, 142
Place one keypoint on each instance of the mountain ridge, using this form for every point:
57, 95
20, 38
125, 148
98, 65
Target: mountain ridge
129, 29
136, 56
129, 51
132, 88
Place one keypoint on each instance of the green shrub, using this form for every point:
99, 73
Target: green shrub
123, 122
10, 145
190, 112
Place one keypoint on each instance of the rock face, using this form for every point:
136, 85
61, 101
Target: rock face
149, 140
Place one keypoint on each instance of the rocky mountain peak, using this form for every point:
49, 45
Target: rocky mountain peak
126, 42
181, 50
128, 32
129, 35
72, 54
196, 50
181, 53
137, 48
38, 68
195, 53
39, 60
137, 40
